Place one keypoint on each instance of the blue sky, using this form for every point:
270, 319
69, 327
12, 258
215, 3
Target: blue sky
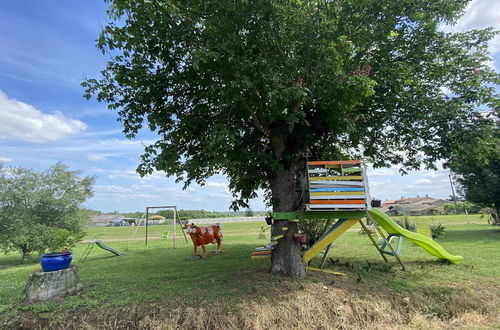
47, 47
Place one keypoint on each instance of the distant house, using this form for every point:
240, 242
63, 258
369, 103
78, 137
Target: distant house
106, 220
156, 219
120, 222
413, 206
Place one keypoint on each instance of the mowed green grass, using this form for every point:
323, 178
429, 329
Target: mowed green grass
158, 275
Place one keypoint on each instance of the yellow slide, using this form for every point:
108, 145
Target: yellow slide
333, 233
384, 221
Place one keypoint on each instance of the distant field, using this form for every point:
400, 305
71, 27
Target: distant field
155, 231
446, 219
157, 287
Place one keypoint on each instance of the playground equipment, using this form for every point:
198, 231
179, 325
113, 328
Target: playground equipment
337, 185
102, 245
339, 191
145, 217
425, 242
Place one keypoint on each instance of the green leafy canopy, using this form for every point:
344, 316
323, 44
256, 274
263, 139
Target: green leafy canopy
34, 205
250, 89
476, 161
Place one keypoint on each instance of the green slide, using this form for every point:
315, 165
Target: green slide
103, 246
384, 221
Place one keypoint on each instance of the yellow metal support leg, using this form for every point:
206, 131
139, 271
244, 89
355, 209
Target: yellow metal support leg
338, 229
372, 239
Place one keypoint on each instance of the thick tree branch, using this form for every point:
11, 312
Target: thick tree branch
263, 129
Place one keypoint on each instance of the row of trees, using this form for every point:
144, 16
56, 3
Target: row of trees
465, 207
186, 214
36, 206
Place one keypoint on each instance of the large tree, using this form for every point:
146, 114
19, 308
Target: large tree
34, 205
476, 161
251, 89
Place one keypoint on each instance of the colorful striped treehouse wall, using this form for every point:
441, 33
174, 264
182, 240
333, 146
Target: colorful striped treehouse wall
335, 185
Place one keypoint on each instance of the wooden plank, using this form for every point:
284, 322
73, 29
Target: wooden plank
337, 197
320, 214
261, 253
336, 178
352, 170
338, 193
338, 189
344, 201
261, 257
338, 229
263, 248
367, 189
338, 184
333, 162
325, 271
337, 166
337, 206
318, 170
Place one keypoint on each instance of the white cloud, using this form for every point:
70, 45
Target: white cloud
440, 174
6, 159
382, 171
96, 157
112, 189
480, 14
423, 182
129, 174
21, 121
378, 183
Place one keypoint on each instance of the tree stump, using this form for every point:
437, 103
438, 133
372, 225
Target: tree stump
43, 286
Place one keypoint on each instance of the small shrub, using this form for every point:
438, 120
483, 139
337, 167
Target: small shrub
370, 228
406, 224
437, 230
263, 230
64, 240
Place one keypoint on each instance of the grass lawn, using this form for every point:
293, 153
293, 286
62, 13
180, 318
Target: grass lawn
157, 287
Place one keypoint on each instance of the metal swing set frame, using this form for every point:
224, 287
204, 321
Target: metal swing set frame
145, 218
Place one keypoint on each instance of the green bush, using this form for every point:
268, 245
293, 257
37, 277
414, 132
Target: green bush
407, 224
314, 229
263, 230
437, 230
64, 240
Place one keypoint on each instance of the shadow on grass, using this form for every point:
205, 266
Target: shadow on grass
490, 233
90, 259
16, 261
158, 278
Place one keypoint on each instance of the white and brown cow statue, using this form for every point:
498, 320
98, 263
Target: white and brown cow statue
202, 236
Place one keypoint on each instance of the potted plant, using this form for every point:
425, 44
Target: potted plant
60, 255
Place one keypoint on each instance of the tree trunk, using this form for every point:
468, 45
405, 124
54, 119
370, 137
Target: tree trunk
496, 214
26, 253
286, 259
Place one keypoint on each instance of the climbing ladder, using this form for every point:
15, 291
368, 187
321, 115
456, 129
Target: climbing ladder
100, 244
88, 249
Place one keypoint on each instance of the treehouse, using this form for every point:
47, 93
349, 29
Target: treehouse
339, 195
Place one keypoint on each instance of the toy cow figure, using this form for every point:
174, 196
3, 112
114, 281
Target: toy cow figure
202, 236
